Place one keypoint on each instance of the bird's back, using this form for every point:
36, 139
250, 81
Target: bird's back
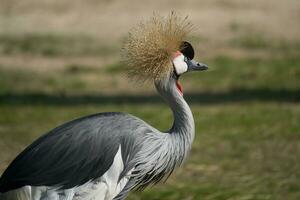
77, 152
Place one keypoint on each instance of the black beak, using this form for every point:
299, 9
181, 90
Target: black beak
195, 66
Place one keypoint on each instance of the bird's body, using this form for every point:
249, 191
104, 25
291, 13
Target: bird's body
104, 156
71, 161
99, 155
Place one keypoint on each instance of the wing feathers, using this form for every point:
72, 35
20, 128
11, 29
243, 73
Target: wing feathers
74, 153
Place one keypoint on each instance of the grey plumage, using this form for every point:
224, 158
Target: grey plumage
80, 151
80, 147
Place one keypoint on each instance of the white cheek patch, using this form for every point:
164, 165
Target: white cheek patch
179, 64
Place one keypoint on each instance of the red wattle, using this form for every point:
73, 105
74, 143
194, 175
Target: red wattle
179, 87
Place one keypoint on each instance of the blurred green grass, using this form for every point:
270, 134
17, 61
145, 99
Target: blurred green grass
246, 110
53, 45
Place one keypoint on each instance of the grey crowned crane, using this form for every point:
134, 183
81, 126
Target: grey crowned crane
104, 156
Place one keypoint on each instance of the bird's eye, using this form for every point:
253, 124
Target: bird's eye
186, 59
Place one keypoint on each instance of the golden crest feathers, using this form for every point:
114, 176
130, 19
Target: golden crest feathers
150, 46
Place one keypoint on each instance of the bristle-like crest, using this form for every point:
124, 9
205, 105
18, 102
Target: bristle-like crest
150, 46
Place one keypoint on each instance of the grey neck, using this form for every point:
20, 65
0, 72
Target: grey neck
183, 129
166, 150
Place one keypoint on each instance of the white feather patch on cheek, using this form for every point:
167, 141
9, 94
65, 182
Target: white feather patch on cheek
179, 64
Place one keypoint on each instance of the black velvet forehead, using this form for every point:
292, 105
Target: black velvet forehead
187, 50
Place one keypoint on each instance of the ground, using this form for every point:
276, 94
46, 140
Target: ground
60, 61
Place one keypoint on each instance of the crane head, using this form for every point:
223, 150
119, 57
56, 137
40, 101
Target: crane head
183, 62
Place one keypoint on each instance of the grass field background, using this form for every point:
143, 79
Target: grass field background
61, 60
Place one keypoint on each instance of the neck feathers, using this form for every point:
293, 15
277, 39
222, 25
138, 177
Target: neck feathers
183, 129
165, 151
